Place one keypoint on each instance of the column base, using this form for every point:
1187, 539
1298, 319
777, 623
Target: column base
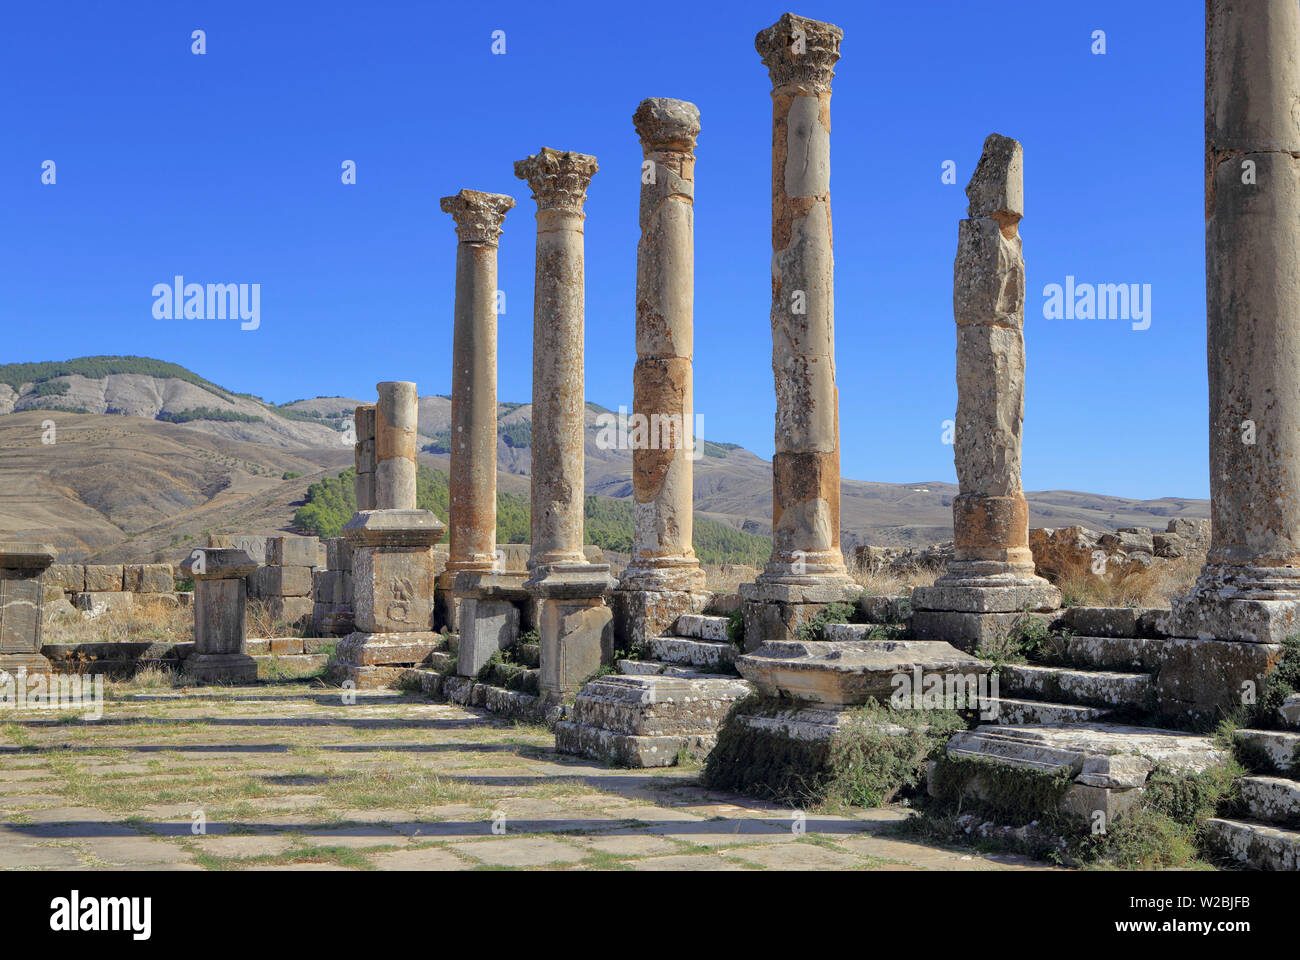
1011, 593
576, 627
641, 615
220, 668
774, 611
1247, 604
490, 613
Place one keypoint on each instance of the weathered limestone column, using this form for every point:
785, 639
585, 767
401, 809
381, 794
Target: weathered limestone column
22, 594
478, 600
473, 510
396, 416
663, 580
393, 564
363, 420
576, 627
559, 183
1249, 588
806, 569
991, 580
220, 609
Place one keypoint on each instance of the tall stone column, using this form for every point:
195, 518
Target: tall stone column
396, 415
575, 625
473, 509
991, 579
1249, 588
478, 600
363, 485
806, 568
663, 578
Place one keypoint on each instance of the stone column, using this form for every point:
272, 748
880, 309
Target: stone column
1249, 588
575, 625
663, 579
473, 511
806, 570
220, 608
559, 183
363, 484
479, 600
22, 593
396, 416
991, 580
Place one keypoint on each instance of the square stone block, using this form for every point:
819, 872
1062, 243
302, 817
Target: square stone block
486, 626
104, 577
219, 607
148, 578
285, 581
577, 638
21, 596
69, 577
293, 551
291, 611
393, 589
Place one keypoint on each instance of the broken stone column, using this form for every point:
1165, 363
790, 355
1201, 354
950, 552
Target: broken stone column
393, 560
473, 509
23, 567
396, 415
990, 581
663, 579
220, 609
576, 627
806, 570
1249, 589
363, 483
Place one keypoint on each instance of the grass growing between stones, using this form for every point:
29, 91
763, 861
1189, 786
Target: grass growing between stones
876, 754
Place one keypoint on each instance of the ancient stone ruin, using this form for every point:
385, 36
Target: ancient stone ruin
651, 668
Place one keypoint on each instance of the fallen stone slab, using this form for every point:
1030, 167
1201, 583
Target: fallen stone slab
657, 705
684, 650
851, 672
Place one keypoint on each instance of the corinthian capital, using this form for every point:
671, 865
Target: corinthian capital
797, 50
558, 178
479, 216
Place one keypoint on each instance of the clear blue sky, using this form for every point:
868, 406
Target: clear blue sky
226, 168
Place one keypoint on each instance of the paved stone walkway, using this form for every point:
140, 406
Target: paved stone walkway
283, 777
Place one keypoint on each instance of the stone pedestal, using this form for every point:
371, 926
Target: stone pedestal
220, 626
1249, 588
22, 592
991, 577
576, 627
774, 612
491, 611
392, 583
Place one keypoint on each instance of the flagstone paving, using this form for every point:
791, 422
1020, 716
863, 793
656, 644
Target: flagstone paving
290, 776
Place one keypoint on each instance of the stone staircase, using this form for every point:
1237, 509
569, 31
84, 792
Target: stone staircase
1267, 835
655, 708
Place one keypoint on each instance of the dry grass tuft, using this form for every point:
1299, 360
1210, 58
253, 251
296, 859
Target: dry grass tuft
147, 619
892, 580
1128, 585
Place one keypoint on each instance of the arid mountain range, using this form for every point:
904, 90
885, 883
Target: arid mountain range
143, 464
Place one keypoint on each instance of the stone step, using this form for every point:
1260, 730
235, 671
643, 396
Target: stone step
1123, 654
660, 668
1272, 799
1281, 748
699, 627
626, 750
657, 706
290, 665
1101, 688
687, 651
1258, 845
849, 632
1107, 764
1012, 711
